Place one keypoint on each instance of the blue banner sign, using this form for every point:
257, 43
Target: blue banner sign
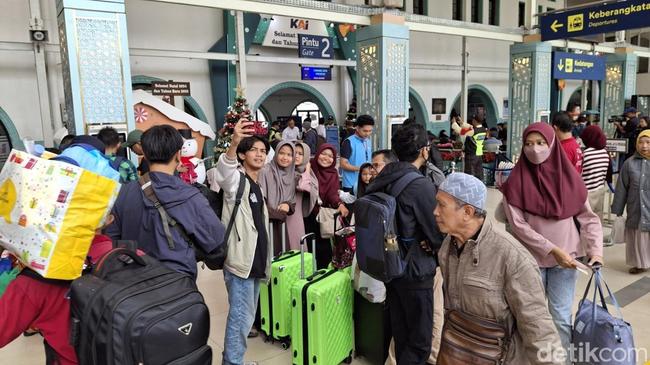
316, 73
314, 46
573, 66
607, 18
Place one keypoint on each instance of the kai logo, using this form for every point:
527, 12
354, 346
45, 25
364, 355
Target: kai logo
576, 22
299, 24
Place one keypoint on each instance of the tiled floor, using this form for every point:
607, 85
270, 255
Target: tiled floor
29, 351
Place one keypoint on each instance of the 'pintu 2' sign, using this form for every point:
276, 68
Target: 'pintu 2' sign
314, 46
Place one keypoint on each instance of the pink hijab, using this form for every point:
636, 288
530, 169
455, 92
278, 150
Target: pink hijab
552, 189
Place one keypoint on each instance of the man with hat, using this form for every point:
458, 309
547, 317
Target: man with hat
133, 141
628, 129
488, 275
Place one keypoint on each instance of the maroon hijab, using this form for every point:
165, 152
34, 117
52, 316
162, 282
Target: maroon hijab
328, 177
552, 189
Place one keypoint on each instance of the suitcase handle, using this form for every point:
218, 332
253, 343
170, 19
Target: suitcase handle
303, 240
283, 237
109, 260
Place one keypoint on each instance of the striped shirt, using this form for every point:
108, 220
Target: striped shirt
594, 168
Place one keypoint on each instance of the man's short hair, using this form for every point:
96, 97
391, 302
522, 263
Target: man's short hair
364, 120
275, 123
160, 143
109, 136
563, 122
66, 141
388, 155
247, 143
408, 140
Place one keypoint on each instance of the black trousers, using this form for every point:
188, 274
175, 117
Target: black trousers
411, 316
474, 166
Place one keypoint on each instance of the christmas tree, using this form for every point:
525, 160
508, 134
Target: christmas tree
238, 110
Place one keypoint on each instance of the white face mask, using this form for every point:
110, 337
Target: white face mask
537, 154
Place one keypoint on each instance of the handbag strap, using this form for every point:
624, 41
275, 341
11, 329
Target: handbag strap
599, 278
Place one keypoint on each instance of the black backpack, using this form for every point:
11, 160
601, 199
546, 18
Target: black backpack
378, 251
131, 309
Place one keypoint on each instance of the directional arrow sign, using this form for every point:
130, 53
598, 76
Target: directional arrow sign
578, 66
612, 17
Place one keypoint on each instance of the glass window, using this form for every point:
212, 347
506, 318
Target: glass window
418, 7
457, 9
493, 14
477, 11
644, 41
522, 13
307, 109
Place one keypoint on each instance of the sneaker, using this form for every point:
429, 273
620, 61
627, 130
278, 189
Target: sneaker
253, 333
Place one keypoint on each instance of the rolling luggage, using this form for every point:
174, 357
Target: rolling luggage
275, 298
322, 325
372, 332
133, 310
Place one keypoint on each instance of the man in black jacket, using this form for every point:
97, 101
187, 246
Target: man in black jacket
410, 298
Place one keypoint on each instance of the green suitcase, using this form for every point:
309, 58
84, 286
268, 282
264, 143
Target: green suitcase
275, 298
322, 327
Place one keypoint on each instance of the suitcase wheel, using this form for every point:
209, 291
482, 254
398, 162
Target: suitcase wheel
286, 345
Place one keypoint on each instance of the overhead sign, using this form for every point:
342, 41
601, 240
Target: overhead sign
283, 31
314, 46
170, 88
616, 145
316, 73
596, 19
578, 66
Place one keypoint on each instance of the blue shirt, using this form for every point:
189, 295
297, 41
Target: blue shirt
357, 151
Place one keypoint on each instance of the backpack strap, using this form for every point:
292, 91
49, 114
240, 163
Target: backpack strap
150, 194
235, 209
396, 189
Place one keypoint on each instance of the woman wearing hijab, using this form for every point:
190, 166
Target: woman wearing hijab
633, 191
542, 199
278, 184
324, 167
595, 165
306, 195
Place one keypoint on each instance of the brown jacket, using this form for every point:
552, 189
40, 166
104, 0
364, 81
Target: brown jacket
496, 278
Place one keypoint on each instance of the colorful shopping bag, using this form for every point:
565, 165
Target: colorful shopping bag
49, 211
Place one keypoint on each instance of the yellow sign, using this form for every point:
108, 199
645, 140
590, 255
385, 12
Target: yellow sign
576, 22
568, 63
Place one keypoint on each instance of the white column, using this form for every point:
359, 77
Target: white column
241, 49
463, 82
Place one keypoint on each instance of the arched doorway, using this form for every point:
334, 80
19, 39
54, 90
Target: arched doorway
417, 108
283, 98
576, 98
9, 137
479, 102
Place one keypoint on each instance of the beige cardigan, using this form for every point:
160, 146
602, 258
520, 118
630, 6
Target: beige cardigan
243, 237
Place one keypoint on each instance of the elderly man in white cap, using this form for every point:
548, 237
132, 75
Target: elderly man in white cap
495, 307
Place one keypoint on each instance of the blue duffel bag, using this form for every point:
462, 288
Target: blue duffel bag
598, 336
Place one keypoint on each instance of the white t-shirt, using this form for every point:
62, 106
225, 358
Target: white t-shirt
321, 131
290, 134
